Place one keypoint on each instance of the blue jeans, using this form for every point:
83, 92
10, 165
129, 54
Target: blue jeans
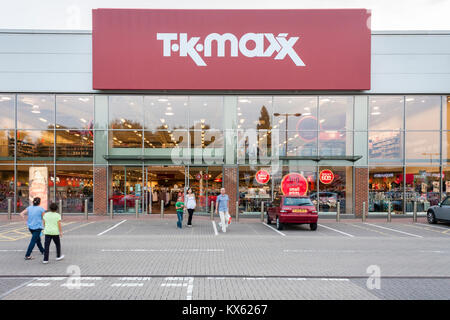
180, 219
35, 240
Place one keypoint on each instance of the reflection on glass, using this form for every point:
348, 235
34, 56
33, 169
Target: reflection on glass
386, 112
330, 192
335, 143
166, 139
206, 138
422, 147
35, 143
422, 186
385, 146
300, 112
206, 111
74, 185
386, 185
35, 111
125, 139
254, 145
299, 143
74, 144
423, 112
166, 112
74, 112
253, 192
445, 113
23, 184
7, 102
127, 189
254, 113
6, 144
336, 113
126, 112
305, 187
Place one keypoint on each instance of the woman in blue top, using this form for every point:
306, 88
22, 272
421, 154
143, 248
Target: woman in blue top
35, 226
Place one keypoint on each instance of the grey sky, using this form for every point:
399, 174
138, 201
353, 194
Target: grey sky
76, 14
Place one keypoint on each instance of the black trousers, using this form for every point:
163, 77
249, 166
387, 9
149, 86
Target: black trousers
57, 242
191, 212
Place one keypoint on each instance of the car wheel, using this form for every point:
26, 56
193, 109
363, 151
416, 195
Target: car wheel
279, 224
269, 221
313, 226
431, 218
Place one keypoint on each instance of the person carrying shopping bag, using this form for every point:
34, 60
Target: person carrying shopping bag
222, 207
190, 205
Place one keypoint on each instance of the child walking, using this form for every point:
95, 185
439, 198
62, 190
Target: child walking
52, 231
179, 206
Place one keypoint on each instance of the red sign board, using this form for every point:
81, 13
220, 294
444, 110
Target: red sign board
152, 49
262, 176
294, 184
326, 176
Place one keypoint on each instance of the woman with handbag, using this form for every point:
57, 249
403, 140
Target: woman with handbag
190, 205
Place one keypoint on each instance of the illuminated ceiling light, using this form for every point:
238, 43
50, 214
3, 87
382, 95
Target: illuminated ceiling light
6, 98
165, 126
123, 120
169, 108
202, 120
307, 108
306, 114
376, 108
57, 126
275, 126
43, 120
290, 101
280, 121
185, 103
205, 104
169, 113
376, 113
129, 126
163, 100
162, 120
409, 99
135, 131
242, 120
322, 121
296, 136
84, 99
325, 100
83, 120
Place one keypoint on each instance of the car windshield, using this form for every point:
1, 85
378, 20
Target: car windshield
297, 202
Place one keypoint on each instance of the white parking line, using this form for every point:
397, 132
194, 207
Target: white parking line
38, 284
433, 226
273, 229
115, 226
394, 230
162, 250
215, 228
344, 233
127, 285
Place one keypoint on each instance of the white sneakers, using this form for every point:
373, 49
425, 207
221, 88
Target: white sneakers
60, 258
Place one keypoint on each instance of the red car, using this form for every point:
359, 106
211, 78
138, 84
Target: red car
292, 209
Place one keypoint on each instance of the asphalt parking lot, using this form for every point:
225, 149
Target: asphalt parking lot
149, 258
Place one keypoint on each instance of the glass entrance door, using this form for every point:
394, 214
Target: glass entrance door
127, 188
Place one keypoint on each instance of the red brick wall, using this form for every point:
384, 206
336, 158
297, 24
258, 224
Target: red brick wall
361, 190
230, 185
100, 190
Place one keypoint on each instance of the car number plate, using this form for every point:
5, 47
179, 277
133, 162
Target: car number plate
299, 210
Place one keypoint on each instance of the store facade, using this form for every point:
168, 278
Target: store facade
61, 138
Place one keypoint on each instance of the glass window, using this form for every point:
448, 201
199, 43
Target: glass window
422, 147
423, 112
6, 187
446, 146
385, 184
74, 112
206, 138
166, 112
336, 113
74, 185
303, 143
125, 139
251, 192
295, 179
206, 111
339, 188
126, 112
254, 145
297, 202
166, 139
34, 181
6, 145
254, 113
423, 186
33, 143
386, 112
385, 146
300, 112
335, 143
445, 113
7, 104
35, 111
74, 144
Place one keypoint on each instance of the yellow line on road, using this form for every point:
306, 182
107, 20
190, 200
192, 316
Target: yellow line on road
78, 227
425, 228
368, 229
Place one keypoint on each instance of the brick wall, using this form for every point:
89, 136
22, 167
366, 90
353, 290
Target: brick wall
361, 190
100, 190
230, 185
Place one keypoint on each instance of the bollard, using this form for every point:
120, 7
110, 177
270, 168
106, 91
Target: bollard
364, 212
9, 208
111, 209
415, 211
237, 211
212, 210
136, 205
389, 217
338, 213
60, 208
86, 208
262, 210
162, 209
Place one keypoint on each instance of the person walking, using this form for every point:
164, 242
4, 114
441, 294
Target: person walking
222, 207
34, 223
179, 206
52, 231
190, 205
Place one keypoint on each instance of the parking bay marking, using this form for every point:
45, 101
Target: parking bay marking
344, 233
215, 228
114, 226
394, 230
273, 229
426, 228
